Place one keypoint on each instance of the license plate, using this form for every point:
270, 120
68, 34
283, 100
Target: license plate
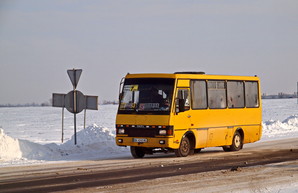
140, 140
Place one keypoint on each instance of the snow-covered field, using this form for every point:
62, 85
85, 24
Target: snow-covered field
33, 134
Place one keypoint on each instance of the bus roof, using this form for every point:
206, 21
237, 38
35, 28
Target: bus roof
190, 75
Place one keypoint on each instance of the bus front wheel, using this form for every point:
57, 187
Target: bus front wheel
184, 148
137, 152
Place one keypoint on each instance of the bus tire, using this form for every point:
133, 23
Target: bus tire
226, 148
137, 152
237, 143
184, 148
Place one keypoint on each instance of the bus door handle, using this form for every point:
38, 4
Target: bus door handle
188, 116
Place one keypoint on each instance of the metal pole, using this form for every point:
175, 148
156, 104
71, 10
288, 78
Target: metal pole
75, 119
84, 118
62, 124
75, 111
75, 129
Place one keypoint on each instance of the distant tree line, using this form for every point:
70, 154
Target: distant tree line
33, 104
280, 95
106, 102
49, 103
26, 105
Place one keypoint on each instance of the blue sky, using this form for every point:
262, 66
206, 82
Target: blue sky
40, 40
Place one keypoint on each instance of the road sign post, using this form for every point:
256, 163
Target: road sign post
74, 101
74, 76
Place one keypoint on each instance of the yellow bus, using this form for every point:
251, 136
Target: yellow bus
187, 111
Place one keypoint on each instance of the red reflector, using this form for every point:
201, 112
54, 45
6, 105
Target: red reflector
170, 132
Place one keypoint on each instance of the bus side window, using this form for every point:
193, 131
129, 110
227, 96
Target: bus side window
199, 94
184, 94
251, 94
217, 97
235, 90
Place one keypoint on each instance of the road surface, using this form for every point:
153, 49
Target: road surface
256, 168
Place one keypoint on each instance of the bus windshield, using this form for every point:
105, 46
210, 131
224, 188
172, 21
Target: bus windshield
147, 95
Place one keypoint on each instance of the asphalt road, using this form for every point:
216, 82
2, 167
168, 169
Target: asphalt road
108, 175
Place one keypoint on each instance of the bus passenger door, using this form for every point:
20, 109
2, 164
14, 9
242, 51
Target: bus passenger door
182, 115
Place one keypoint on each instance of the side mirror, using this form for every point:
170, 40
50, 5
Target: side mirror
180, 105
120, 96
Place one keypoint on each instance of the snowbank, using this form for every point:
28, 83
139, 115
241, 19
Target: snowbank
277, 129
92, 143
9, 147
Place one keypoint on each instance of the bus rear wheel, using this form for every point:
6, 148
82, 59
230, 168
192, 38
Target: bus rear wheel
184, 148
237, 143
137, 152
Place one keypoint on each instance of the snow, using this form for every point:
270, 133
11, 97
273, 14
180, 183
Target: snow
33, 135
286, 128
9, 147
94, 143
280, 119
30, 135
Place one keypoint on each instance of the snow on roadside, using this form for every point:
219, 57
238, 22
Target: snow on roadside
9, 147
273, 129
92, 143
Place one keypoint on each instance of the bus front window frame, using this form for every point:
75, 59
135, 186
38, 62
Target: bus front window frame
146, 96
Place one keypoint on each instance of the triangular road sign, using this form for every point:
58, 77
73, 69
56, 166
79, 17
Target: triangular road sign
74, 76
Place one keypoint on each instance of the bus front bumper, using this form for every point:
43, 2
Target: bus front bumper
150, 142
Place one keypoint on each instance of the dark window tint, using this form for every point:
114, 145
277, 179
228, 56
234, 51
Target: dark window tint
184, 94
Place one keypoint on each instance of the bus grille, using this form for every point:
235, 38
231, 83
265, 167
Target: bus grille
141, 132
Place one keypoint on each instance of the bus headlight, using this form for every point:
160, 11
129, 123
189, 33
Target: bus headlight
162, 132
121, 131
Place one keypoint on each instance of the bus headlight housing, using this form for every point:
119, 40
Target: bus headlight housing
162, 132
121, 131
